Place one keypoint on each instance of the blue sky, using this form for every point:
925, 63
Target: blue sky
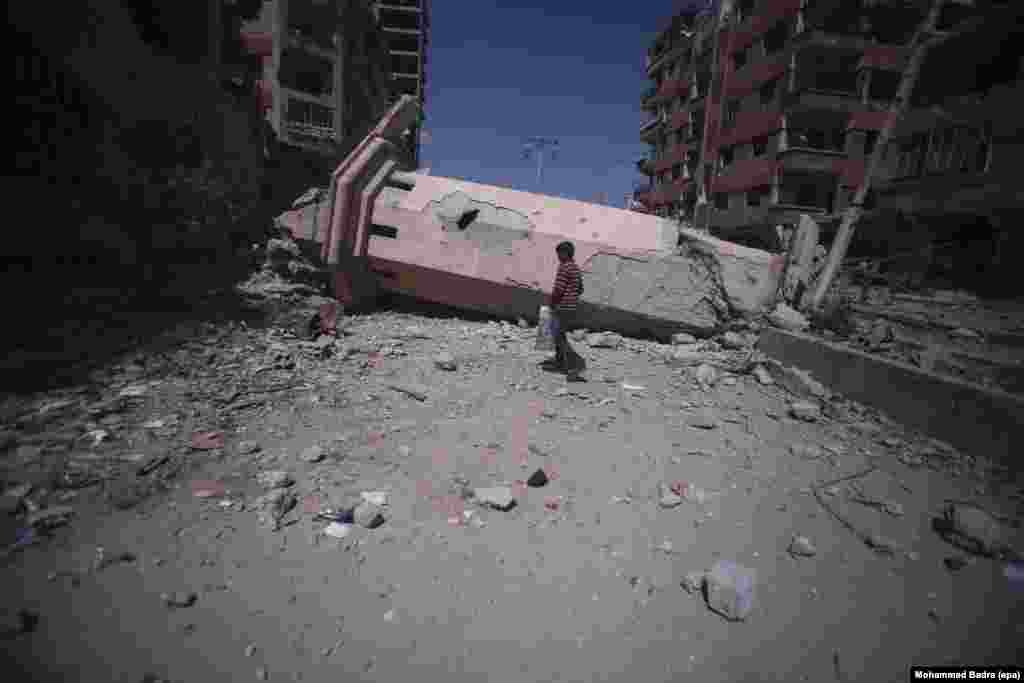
502, 71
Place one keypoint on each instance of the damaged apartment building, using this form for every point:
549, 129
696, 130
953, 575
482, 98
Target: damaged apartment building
406, 27
771, 109
324, 80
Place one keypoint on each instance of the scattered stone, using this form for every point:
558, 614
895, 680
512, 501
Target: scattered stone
730, 590
955, 563
604, 340
337, 530
805, 410
787, 318
801, 546
445, 361
733, 340
538, 478
378, 498
497, 497
261, 673
418, 392
12, 501
404, 451
703, 421
693, 582
762, 375
368, 515
706, 375
682, 338
881, 332
668, 498
965, 333
250, 650
806, 451
314, 454
179, 599
276, 479
51, 517
973, 530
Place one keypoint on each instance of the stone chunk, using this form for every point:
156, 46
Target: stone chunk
445, 361
604, 340
730, 590
682, 338
788, 318
801, 546
276, 479
805, 410
497, 497
368, 515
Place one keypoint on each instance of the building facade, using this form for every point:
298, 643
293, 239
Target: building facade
766, 109
323, 76
406, 26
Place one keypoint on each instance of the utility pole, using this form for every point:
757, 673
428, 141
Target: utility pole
536, 146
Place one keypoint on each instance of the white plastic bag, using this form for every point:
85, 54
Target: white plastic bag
547, 330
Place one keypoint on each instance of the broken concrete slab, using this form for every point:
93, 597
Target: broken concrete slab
491, 249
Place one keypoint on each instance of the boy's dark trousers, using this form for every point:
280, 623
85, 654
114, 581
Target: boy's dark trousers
565, 356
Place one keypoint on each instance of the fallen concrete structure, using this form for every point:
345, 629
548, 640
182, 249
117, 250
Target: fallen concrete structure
492, 249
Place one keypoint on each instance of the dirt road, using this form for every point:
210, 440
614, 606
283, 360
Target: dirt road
579, 582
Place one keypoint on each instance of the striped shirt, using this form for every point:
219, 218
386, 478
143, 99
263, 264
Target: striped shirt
568, 287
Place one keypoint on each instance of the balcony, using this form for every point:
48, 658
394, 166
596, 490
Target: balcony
651, 126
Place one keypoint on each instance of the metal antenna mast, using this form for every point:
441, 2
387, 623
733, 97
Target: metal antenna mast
537, 146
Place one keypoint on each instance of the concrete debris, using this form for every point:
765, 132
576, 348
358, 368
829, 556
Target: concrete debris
762, 375
50, 518
693, 582
379, 498
806, 451
416, 391
275, 479
805, 411
667, 498
445, 361
604, 340
974, 530
706, 375
180, 599
497, 497
787, 318
248, 447
734, 341
314, 454
368, 515
730, 589
683, 338
801, 546
796, 381
538, 478
338, 530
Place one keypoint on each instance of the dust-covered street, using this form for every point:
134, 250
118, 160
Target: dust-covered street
174, 518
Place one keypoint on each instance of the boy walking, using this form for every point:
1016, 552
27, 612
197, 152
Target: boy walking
565, 299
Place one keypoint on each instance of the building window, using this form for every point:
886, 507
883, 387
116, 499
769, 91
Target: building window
759, 196
740, 58
725, 159
775, 39
767, 93
721, 201
870, 140
760, 147
729, 118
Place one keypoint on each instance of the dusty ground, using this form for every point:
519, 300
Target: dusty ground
447, 590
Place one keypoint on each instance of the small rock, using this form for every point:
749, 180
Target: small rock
762, 375
956, 562
703, 421
250, 650
276, 479
445, 361
681, 338
730, 590
179, 599
706, 375
522, 324
497, 497
336, 530
801, 546
537, 479
51, 517
693, 582
733, 340
314, 454
604, 340
404, 451
368, 515
261, 673
805, 410
806, 451
787, 318
667, 498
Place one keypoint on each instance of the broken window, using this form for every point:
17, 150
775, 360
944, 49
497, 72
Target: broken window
884, 85
776, 37
767, 93
725, 159
306, 73
758, 196
808, 189
732, 108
